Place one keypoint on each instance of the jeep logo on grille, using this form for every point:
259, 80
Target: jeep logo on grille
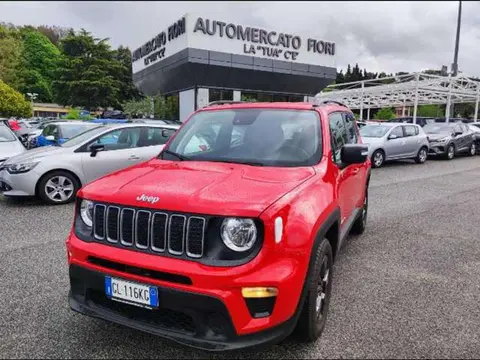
149, 199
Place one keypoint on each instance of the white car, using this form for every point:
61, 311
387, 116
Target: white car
55, 173
10, 145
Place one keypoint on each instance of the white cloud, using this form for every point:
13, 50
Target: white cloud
379, 36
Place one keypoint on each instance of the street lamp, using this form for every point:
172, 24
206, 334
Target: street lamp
32, 97
457, 41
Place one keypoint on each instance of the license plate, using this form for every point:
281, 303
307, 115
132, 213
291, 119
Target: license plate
131, 293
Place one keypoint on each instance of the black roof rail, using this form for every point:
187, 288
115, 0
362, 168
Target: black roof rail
225, 102
324, 102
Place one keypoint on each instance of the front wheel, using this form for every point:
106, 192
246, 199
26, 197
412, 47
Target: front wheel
378, 158
58, 187
319, 288
473, 149
421, 156
450, 152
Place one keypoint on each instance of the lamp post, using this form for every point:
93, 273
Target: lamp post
457, 40
32, 97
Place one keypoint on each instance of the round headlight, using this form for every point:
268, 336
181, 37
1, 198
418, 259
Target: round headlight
238, 234
86, 212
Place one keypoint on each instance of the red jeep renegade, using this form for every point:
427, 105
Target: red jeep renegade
227, 239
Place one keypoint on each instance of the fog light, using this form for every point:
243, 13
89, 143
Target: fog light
259, 292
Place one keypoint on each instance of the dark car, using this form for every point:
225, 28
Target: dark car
450, 139
157, 121
422, 121
475, 128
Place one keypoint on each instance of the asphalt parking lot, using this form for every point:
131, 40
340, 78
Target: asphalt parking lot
408, 288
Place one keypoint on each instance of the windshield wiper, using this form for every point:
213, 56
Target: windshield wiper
252, 163
178, 156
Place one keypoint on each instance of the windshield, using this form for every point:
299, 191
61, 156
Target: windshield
375, 131
84, 136
71, 130
6, 134
263, 137
437, 128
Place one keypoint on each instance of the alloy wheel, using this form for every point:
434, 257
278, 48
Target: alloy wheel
473, 149
422, 156
450, 152
59, 188
378, 159
322, 288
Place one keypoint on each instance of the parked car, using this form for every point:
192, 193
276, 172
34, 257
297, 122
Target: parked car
450, 139
395, 141
421, 120
57, 133
55, 173
475, 129
157, 121
236, 241
10, 145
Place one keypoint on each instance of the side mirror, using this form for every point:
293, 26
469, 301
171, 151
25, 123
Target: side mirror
392, 136
354, 153
94, 148
50, 138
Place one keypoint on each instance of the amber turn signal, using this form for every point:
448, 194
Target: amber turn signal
259, 292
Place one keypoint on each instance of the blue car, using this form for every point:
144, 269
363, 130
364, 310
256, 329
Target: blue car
59, 132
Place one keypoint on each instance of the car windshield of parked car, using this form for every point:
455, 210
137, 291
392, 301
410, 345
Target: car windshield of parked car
262, 137
6, 134
84, 136
71, 130
375, 131
438, 128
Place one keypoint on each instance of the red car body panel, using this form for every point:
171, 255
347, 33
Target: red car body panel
304, 197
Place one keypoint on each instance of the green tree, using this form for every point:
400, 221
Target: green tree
12, 103
88, 74
54, 33
39, 60
167, 108
139, 108
385, 114
429, 110
10, 50
75, 114
128, 91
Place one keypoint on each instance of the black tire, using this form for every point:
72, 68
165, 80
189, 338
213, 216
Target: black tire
450, 153
312, 322
473, 149
378, 158
71, 180
360, 224
421, 155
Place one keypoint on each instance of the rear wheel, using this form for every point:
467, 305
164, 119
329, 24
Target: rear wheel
58, 187
378, 158
319, 288
421, 156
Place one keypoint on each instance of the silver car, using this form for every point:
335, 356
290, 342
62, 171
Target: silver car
55, 173
395, 141
10, 144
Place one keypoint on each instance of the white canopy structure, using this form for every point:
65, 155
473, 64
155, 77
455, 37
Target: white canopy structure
404, 91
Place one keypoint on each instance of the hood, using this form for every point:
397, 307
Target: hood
35, 154
11, 148
198, 187
438, 136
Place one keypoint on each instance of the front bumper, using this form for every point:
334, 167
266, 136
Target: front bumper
18, 184
437, 148
206, 301
191, 319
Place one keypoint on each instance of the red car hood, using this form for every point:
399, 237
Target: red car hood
198, 187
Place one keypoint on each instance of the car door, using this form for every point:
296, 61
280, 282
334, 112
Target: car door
412, 140
120, 151
395, 143
345, 176
467, 135
152, 141
462, 141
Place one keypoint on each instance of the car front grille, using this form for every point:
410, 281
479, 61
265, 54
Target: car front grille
150, 230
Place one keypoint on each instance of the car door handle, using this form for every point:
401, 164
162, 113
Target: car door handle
133, 157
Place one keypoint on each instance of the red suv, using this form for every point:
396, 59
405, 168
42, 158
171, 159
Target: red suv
227, 239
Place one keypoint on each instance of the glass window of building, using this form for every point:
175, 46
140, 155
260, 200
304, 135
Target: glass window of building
217, 95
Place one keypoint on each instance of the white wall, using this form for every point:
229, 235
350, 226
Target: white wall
187, 103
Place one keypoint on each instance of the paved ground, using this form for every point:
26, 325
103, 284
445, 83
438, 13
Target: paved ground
408, 288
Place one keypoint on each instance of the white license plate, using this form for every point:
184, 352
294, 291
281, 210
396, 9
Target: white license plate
130, 292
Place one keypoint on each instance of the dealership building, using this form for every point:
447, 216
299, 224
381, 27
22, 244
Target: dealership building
202, 59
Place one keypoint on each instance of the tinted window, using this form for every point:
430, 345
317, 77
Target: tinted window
49, 130
351, 129
338, 135
410, 130
120, 139
270, 137
398, 132
158, 136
